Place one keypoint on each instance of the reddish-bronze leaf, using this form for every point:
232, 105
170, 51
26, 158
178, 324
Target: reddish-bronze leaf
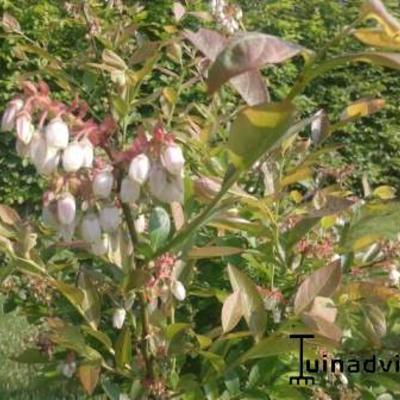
231, 311
248, 52
89, 376
322, 282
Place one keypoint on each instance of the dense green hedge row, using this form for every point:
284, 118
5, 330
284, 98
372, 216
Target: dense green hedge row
370, 145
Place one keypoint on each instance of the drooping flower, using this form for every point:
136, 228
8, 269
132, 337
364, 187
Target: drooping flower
173, 160
73, 156
394, 276
165, 187
101, 247
24, 127
109, 218
88, 153
103, 183
10, 113
57, 133
66, 209
43, 157
119, 318
178, 290
130, 190
140, 223
139, 168
90, 228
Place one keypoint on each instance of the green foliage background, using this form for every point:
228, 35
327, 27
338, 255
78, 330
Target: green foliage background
370, 145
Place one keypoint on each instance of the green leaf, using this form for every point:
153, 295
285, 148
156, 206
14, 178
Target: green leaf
159, 226
373, 222
213, 251
215, 360
257, 130
377, 38
31, 356
90, 305
123, 348
252, 303
231, 311
89, 377
248, 52
100, 336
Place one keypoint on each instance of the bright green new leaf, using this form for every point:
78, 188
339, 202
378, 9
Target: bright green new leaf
123, 348
257, 130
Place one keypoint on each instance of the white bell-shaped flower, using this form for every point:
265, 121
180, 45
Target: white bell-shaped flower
140, 223
57, 133
394, 276
165, 187
109, 218
157, 180
24, 127
73, 157
88, 153
101, 247
139, 169
90, 228
178, 290
130, 191
49, 218
119, 318
173, 160
8, 118
103, 183
22, 149
66, 209
67, 231
50, 161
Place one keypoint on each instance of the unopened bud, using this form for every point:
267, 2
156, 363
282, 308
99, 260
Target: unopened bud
140, 224
178, 290
119, 318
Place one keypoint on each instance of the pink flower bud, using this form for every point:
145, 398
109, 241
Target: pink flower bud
119, 318
88, 153
57, 133
8, 118
72, 158
139, 168
90, 228
24, 127
101, 247
130, 191
178, 290
66, 209
102, 184
172, 159
109, 218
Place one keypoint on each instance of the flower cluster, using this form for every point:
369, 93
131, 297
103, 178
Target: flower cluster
88, 181
228, 16
164, 280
